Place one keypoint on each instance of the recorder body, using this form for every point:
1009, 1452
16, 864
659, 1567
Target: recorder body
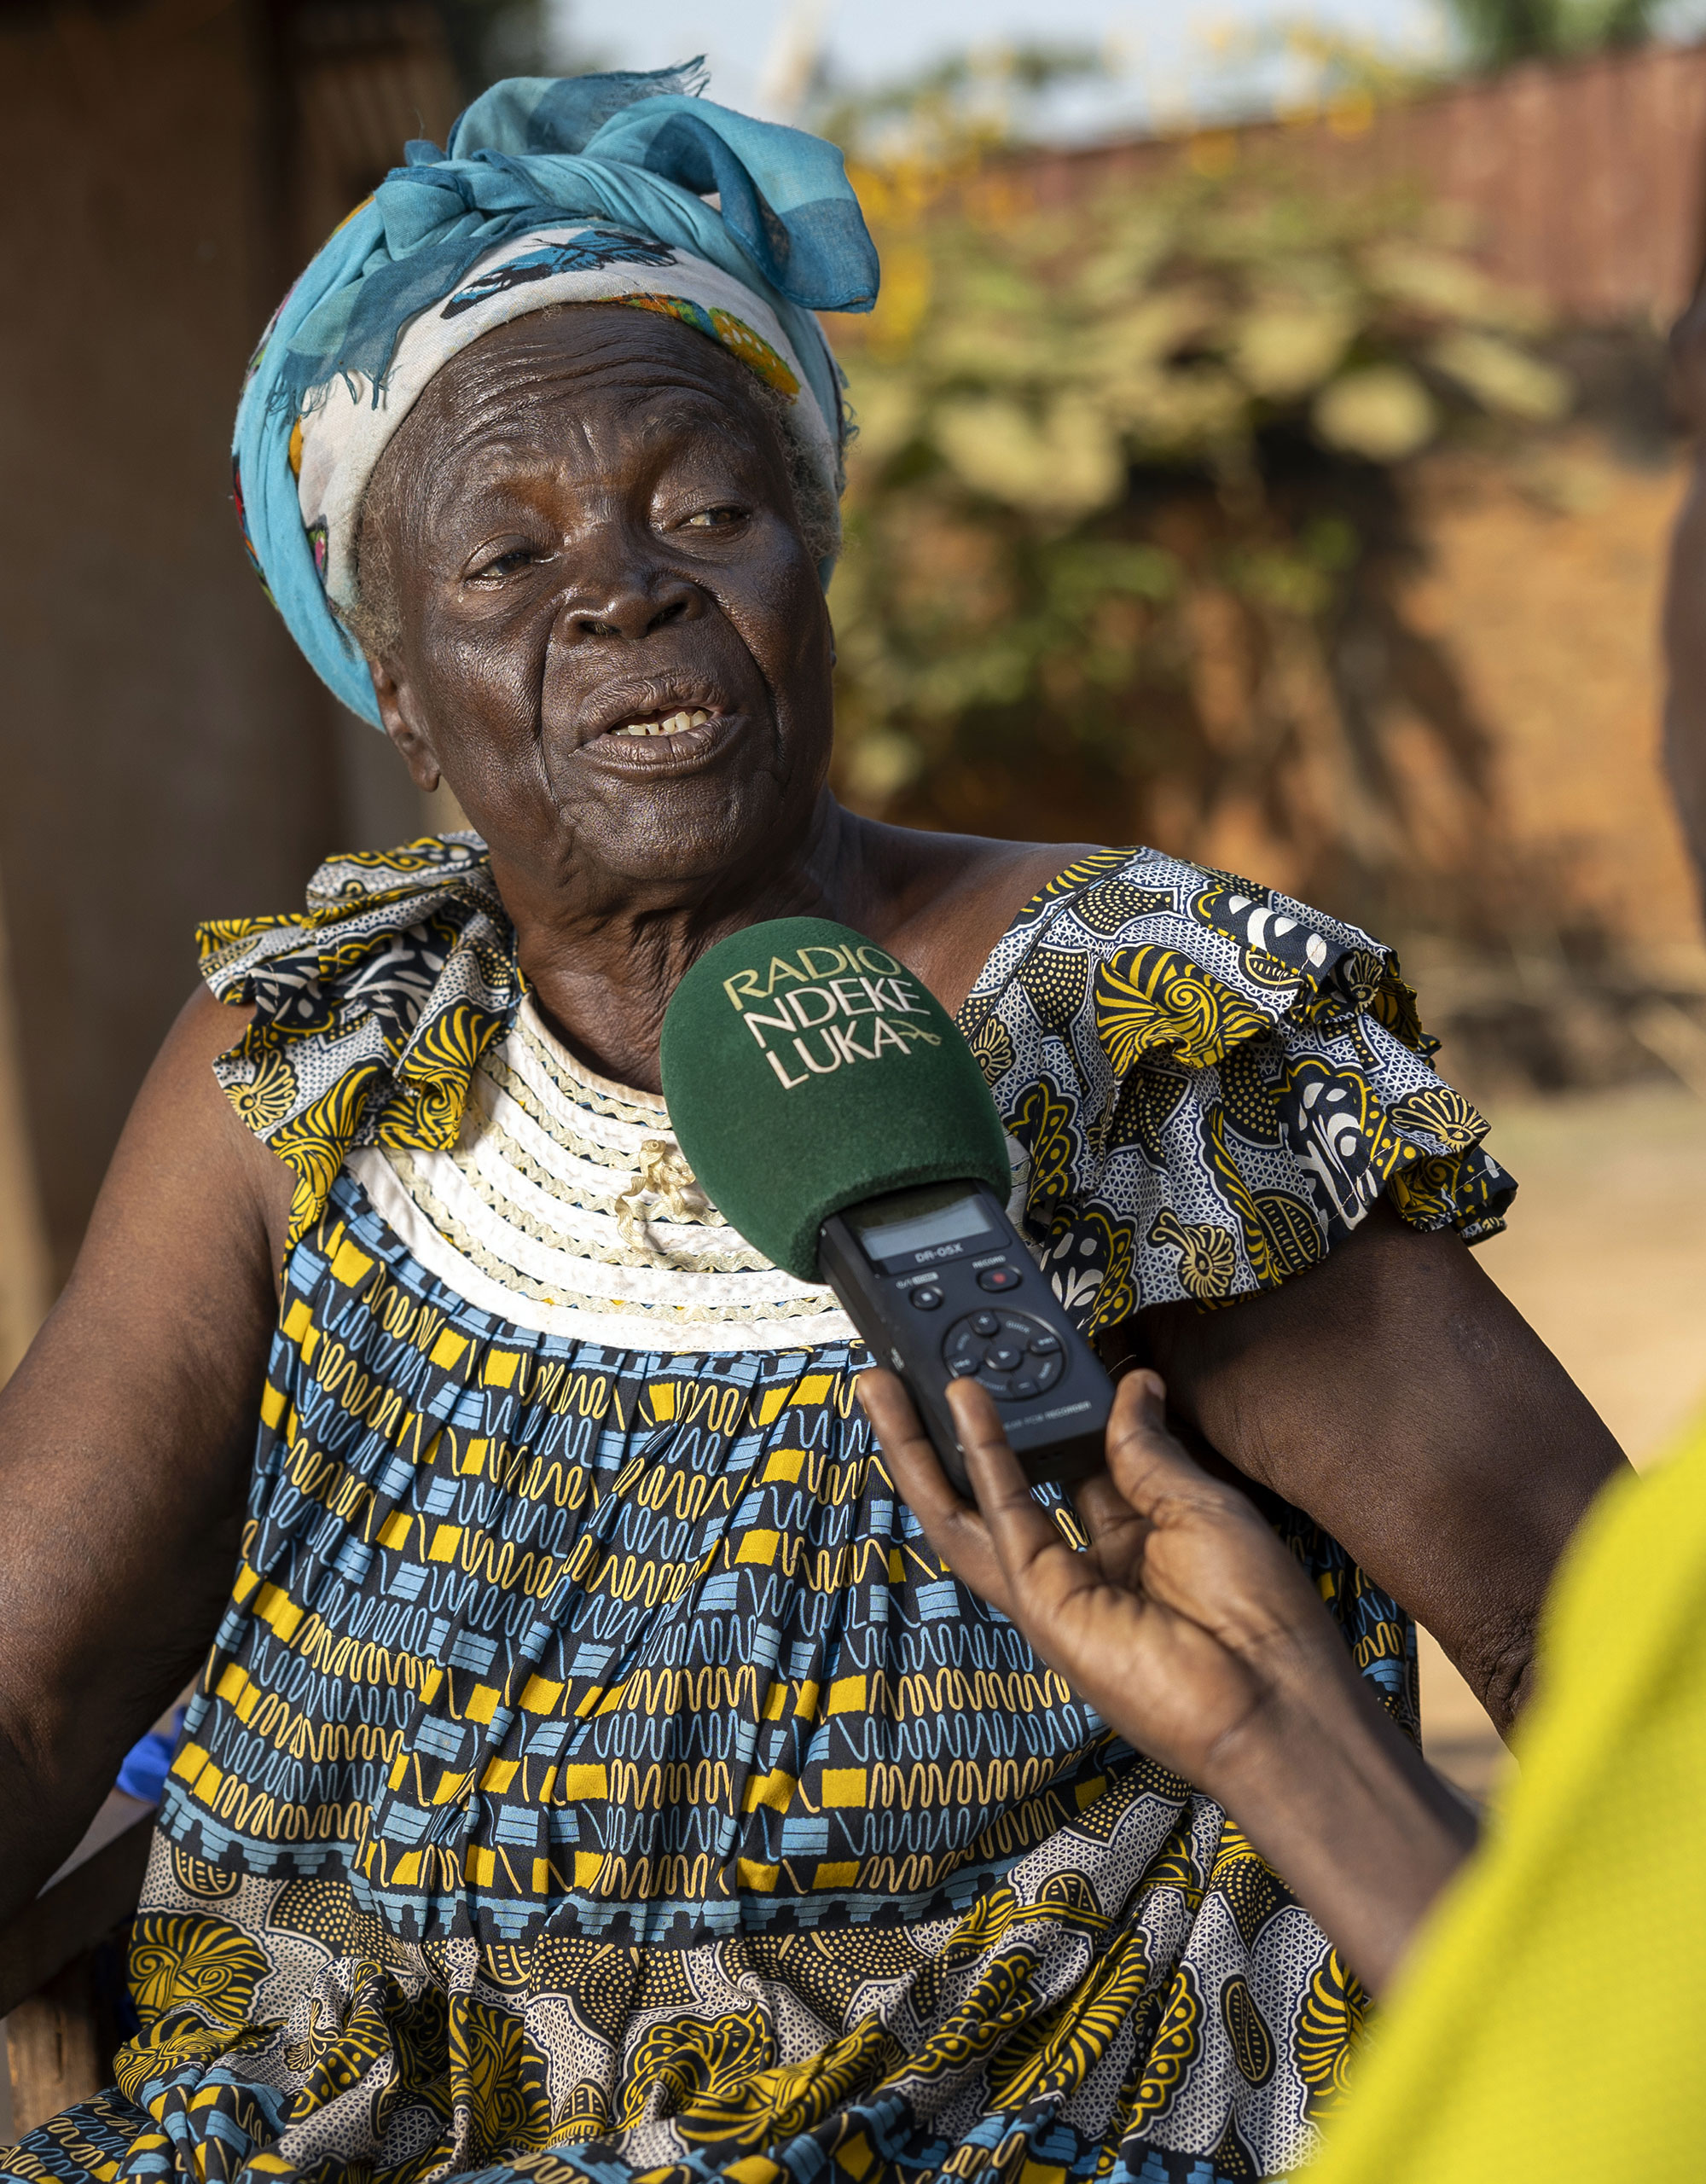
939, 1284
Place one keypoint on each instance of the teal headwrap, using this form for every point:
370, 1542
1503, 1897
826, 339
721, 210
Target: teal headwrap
535, 157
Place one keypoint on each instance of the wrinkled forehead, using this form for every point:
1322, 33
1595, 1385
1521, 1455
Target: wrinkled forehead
341, 439
589, 376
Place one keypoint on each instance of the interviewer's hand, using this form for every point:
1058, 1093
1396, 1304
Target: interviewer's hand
1184, 1622
1191, 1631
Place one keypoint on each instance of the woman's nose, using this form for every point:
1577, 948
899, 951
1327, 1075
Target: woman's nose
630, 603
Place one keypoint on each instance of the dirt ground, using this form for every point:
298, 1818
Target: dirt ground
1606, 1256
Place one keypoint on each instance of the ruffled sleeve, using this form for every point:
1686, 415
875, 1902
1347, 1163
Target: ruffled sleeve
1208, 1085
372, 1007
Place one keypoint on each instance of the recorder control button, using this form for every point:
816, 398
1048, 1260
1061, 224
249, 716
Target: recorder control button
999, 1277
1002, 1365
924, 1300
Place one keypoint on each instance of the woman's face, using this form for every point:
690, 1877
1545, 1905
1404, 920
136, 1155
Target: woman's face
590, 531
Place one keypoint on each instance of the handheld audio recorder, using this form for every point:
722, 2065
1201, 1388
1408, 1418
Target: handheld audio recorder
940, 1285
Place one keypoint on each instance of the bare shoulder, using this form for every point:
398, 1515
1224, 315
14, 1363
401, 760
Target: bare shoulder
185, 1163
951, 898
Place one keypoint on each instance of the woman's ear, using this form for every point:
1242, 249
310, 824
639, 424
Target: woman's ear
399, 718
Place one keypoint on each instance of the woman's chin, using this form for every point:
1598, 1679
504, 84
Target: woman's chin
675, 832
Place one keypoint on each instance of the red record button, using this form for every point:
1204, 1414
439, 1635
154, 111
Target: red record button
999, 1277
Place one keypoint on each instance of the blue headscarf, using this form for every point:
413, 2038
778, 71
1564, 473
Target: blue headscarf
640, 153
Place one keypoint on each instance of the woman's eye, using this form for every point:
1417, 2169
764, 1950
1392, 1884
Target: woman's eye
715, 518
506, 564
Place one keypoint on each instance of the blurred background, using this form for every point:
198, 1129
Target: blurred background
1265, 451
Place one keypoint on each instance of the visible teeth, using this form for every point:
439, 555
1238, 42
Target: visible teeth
672, 725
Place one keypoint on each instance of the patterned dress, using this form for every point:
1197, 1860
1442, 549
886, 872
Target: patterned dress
595, 1776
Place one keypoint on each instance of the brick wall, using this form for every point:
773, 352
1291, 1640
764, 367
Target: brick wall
1585, 182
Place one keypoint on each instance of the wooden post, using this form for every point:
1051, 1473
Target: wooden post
59, 2033
53, 2046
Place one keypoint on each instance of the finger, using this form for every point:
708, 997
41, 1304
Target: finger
1103, 1510
913, 1462
1036, 1560
954, 1527
1149, 1465
1210, 1555
1161, 1482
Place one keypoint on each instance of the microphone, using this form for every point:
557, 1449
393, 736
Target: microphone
833, 1114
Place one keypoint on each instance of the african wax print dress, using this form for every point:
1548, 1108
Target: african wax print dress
595, 1777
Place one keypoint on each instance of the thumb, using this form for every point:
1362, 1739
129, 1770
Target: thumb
1148, 1464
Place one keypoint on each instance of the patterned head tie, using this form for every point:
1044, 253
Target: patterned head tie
625, 187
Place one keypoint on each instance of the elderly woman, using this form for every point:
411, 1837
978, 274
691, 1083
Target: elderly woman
594, 1772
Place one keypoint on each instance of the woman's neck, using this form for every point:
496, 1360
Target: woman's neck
602, 970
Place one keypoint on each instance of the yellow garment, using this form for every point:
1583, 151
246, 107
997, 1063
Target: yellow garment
1553, 2022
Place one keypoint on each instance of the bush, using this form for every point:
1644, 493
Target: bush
1126, 524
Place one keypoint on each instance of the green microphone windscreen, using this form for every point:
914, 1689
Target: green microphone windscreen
806, 1069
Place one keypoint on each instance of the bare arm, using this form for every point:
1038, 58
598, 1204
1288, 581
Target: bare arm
125, 1441
1391, 1390
1394, 1393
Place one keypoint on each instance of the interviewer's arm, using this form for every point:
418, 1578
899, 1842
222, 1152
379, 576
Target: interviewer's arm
125, 1441
1191, 1630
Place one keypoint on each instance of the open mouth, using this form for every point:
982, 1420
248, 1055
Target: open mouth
654, 728
670, 723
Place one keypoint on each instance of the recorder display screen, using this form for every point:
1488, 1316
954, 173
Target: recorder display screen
910, 1221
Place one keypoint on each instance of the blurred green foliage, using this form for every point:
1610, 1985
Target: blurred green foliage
1127, 527
1499, 32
